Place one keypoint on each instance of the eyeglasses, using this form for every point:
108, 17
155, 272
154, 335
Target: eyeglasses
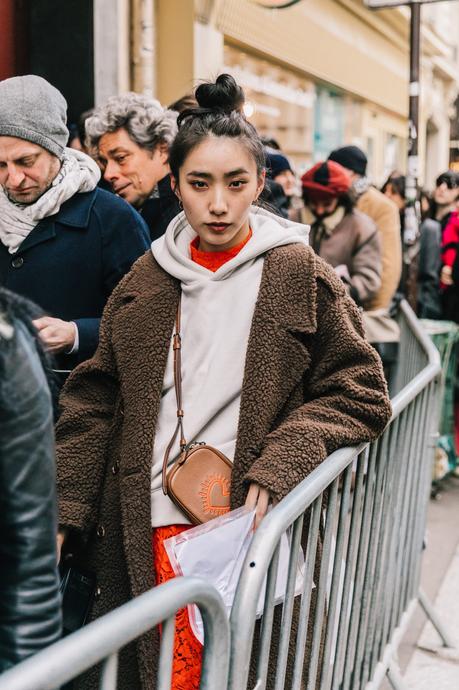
447, 180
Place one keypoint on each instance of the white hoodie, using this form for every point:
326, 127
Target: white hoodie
216, 316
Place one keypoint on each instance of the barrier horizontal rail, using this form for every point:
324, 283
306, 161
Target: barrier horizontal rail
360, 517
101, 640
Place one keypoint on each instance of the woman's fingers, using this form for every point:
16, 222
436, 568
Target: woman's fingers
258, 500
252, 496
262, 506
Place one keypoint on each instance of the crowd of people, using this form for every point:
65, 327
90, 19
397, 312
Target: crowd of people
179, 229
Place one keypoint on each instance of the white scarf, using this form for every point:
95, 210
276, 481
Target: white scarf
78, 173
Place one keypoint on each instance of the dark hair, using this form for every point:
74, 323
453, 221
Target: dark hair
271, 143
81, 124
345, 201
397, 184
219, 113
186, 102
450, 178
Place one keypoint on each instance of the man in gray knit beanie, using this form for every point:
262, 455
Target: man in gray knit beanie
47, 191
34, 110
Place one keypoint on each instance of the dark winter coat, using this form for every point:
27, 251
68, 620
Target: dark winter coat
428, 294
30, 615
312, 384
70, 262
159, 210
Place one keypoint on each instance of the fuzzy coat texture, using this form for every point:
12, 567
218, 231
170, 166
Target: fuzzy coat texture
312, 384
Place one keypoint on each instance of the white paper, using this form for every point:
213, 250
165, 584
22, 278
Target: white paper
216, 551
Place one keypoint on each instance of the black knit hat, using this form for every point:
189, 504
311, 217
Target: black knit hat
350, 157
276, 163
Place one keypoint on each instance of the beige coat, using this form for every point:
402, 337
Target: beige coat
385, 215
312, 384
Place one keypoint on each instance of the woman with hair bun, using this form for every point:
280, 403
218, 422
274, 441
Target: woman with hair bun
275, 372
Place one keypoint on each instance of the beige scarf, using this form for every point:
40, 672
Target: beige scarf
321, 227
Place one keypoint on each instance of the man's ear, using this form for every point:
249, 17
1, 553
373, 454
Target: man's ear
164, 152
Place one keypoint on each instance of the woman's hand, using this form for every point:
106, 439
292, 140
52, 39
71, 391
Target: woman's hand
61, 537
258, 499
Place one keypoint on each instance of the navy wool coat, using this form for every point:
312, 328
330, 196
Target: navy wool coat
71, 261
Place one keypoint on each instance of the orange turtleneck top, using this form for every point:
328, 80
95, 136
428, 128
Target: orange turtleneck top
213, 260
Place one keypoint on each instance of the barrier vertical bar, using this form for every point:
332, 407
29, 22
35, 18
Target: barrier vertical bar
349, 573
267, 621
364, 536
287, 609
336, 578
167, 654
322, 587
109, 675
310, 559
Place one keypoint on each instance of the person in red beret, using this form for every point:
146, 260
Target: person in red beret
347, 239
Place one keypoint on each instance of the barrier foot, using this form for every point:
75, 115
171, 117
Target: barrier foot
432, 615
395, 678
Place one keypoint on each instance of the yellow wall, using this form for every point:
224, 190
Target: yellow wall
327, 41
175, 36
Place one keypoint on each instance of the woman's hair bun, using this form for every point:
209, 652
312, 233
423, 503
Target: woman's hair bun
225, 94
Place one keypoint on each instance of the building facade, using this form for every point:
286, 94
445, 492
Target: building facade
320, 73
317, 74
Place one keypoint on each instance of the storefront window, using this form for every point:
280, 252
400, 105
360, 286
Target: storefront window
394, 154
279, 103
329, 122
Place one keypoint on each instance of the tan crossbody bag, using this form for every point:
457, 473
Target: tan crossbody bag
199, 481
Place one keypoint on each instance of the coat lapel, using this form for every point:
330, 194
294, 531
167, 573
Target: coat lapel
142, 331
143, 327
44, 231
276, 357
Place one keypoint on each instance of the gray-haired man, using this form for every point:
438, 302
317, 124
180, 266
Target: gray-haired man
130, 135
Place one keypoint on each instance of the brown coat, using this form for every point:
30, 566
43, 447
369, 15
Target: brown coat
353, 241
385, 214
311, 385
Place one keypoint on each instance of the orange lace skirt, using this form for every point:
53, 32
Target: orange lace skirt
186, 667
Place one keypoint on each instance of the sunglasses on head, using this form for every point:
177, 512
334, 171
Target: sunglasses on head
448, 181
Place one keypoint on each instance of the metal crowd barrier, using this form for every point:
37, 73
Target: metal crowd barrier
363, 511
101, 641
360, 516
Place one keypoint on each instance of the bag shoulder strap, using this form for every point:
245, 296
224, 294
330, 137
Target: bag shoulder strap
177, 347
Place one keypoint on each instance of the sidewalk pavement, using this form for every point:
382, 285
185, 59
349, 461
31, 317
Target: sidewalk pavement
428, 670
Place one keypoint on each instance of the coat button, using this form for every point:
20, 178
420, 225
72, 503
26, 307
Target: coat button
17, 262
116, 468
100, 531
97, 593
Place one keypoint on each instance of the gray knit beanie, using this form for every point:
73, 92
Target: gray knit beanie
34, 110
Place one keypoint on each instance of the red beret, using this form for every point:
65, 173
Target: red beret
326, 180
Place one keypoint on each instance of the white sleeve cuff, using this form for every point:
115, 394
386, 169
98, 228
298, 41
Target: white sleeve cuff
76, 342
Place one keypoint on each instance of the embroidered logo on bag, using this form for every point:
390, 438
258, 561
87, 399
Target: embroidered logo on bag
215, 490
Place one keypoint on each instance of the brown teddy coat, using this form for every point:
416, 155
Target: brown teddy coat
311, 385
